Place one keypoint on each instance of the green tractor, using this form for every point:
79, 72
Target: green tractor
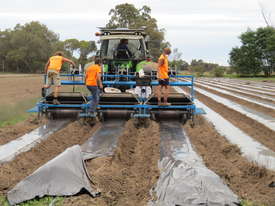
123, 52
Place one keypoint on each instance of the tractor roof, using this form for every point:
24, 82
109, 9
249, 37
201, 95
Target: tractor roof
122, 31
120, 36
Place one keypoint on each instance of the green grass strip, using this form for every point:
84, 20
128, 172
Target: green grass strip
12, 114
45, 201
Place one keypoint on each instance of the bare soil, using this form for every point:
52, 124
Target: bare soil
253, 128
126, 178
9, 133
14, 89
256, 107
246, 179
26, 163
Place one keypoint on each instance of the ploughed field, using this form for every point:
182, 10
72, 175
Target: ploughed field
129, 175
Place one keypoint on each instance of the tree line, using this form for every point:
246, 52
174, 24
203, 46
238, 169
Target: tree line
256, 55
26, 48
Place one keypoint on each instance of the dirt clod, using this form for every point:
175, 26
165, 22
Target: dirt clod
256, 171
229, 150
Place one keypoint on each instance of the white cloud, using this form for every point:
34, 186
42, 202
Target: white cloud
52, 16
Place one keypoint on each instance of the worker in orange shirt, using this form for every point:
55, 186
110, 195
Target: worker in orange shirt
94, 83
163, 77
52, 69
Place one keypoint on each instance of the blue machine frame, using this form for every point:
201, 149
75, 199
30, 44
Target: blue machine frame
142, 110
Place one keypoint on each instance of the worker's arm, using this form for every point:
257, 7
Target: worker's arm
46, 66
69, 61
99, 80
129, 52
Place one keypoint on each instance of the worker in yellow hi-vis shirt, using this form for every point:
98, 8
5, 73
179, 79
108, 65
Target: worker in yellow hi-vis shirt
52, 69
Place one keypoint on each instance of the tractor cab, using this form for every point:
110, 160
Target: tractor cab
121, 50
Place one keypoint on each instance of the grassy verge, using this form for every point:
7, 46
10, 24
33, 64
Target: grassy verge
12, 114
45, 201
258, 79
249, 203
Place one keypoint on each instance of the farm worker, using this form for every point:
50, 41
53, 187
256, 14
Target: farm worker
123, 47
163, 77
94, 83
52, 69
146, 67
86, 66
142, 65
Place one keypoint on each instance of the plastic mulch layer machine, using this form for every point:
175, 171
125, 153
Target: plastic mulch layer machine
138, 102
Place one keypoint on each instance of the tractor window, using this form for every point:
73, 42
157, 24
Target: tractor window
136, 47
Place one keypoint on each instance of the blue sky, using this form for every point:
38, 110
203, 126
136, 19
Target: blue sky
205, 29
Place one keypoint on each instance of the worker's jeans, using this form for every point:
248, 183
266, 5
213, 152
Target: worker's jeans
94, 98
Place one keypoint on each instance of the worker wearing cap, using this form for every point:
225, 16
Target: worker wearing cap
163, 77
52, 69
94, 83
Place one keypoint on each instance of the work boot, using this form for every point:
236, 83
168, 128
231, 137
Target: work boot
56, 102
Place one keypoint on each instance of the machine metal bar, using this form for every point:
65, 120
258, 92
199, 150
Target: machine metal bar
143, 106
128, 83
147, 106
181, 76
115, 75
192, 90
